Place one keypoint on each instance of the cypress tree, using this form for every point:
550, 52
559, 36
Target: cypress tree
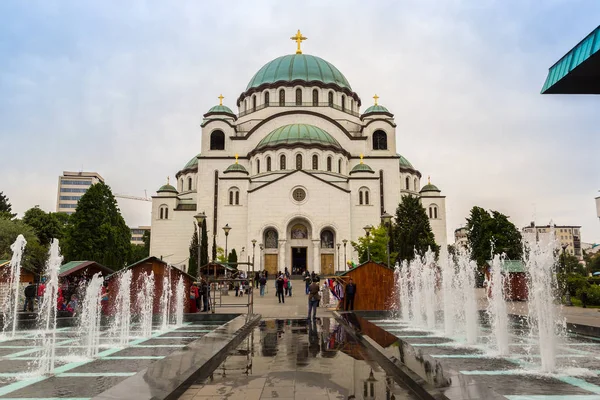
193, 261
204, 245
412, 230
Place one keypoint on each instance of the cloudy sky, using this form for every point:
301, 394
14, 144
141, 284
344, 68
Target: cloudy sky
120, 88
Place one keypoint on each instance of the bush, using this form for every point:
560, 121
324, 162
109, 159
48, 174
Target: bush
592, 294
574, 283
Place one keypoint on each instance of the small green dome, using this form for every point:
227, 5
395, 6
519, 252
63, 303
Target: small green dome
376, 109
220, 109
167, 188
430, 188
362, 167
236, 168
404, 162
302, 67
294, 134
192, 163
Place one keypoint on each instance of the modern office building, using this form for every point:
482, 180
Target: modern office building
71, 186
567, 235
460, 237
137, 234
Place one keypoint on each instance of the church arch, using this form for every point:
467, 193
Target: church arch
343, 103
351, 105
416, 183
379, 140
315, 97
217, 140
282, 98
189, 183
329, 162
407, 182
363, 196
298, 161
282, 161
266, 99
163, 211
234, 196
339, 166
315, 162
258, 166
327, 238
268, 163
253, 102
298, 97
330, 98
246, 105
271, 238
181, 185
433, 211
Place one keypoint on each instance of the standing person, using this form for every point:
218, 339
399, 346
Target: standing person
30, 293
104, 300
40, 292
279, 286
287, 272
263, 283
236, 286
194, 298
349, 295
290, 287
204, 294
313, 299
285, 284
307, 280
256, 279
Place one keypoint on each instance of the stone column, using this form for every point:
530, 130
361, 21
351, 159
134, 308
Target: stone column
316, 256
282, 264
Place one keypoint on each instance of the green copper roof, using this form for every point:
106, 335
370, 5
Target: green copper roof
296, 134
236, 168
376, 109
192, 163
510, 265
361, 168
302, 67
404, 162
430, 188
578, 71
220, 109
167, 188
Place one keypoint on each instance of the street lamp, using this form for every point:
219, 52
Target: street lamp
345, 260
367, 229
226, 229
253, 247
568, 294
261, 247
338, 256
200, 217
387, 222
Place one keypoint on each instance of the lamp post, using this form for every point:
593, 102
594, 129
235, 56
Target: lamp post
345, 241
387, 222
261, 247
226, 229
253, 247
367, 229
338, 256
200, 217
564, 263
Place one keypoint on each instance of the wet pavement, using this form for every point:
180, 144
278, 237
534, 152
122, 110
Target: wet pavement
293, 359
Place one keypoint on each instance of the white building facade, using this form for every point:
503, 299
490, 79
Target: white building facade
71, 186
299, 169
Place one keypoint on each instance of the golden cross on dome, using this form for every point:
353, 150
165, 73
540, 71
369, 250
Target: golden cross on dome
429, 179
168, 180
298, 39
361, 159
376, 98
220, 99
236, 157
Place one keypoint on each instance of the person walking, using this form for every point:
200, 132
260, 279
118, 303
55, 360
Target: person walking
30, 292
263, 284
256, 279
313, 300
279, 285
285, 284
307, 280
349, 295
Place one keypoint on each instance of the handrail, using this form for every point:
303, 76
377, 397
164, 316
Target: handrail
294, 104
216, 285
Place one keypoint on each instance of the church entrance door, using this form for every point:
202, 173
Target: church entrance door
271, 264
327, 264
299, 258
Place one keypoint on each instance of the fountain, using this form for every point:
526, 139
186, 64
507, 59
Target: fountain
145, 304
416, 287
12, 301
179, 299
91, 311
404, 292
165, 301
497, 306
449, 294
46, 319
122, 322
466, 287
429, 282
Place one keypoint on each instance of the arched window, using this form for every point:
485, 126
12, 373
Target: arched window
266, 99
246, 105
407, 181
163, 212
433, 212
298, 97
416, 182
271, 238
282, 162
360, 197
315, 162
315, 98
330, 99
327, 239
190, 183
217, 140
298, 161
254, 103
181, 185
258, 166
379, 140
234, 196
363, 196
351, 105
268, 163
329, 164
340, 166
343, 103
282, 98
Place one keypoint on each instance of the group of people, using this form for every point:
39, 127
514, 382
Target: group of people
200, 296
66, 297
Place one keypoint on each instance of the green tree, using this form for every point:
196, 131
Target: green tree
146, 238
215, 249
232, 257
491, 233
97, 231
47, 226
377, 246
412, 231
221, 255
35, 254
593, 263
193, 261
136, 253
5, 207
204, 245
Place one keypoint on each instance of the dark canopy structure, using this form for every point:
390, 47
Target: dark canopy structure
578, 71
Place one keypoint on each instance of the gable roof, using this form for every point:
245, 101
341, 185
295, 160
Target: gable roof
74, 266
362, 265
298, 171
150, 259
4, 262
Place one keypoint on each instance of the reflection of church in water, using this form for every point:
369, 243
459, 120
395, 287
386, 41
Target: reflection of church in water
298, 171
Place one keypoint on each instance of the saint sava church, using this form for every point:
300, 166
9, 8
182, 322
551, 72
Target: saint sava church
296, 173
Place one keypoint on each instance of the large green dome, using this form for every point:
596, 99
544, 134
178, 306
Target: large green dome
298, 134
302, 67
